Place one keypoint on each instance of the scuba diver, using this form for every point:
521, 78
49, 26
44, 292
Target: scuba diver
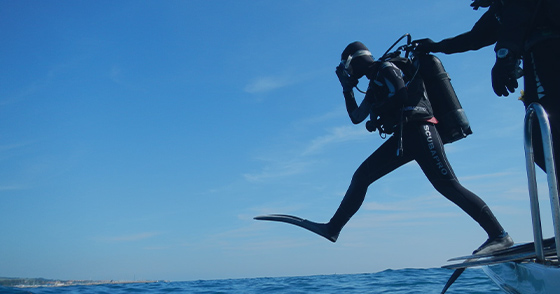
396, 103
521, 29
408, 114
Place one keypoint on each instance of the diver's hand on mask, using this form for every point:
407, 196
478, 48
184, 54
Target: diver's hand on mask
347, 82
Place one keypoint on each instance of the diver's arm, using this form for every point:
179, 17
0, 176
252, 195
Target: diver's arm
357, 113
484, 33
395, 92
348, 83
391, 77
516, 20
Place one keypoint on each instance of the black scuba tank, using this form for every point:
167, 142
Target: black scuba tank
453, 123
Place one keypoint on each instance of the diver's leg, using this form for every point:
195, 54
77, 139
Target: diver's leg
379, 163
431, 157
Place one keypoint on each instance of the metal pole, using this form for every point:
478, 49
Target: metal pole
550, 172
538, 110
531, 176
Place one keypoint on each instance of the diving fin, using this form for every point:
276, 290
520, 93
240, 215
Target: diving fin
460, 267
317, 228
502, 240
517, 249
452, 279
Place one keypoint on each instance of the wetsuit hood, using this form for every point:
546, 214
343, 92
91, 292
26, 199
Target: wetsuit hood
356, 59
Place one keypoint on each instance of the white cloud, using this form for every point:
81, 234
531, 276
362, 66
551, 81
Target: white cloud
116, 74
131, 238
335, 135
396, 219
431, 201
487, 176
278, 168
265, 84
320, 119
296, 160
12, 188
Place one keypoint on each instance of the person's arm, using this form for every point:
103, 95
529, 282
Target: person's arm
391, 76
356, 113
391, 94
483, 33
516, 19
351, 105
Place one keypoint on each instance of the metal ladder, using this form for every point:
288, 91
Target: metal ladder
535, 110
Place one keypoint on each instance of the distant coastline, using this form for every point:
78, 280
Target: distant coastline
40, 282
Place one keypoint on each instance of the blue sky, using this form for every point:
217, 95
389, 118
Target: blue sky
138, 139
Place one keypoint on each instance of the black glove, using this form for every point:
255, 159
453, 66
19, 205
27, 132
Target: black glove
347, 82
481, 3
371, 125
425, 45
505, 73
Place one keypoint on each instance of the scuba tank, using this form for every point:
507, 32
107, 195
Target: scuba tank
452, 124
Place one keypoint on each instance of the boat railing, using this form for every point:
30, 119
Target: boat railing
535, 110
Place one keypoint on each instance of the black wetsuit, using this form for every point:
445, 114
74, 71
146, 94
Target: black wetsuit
387, 97
530, 30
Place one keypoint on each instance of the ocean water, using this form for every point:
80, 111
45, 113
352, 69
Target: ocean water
403, 281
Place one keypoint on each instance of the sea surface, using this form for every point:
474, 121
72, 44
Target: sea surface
403, 281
